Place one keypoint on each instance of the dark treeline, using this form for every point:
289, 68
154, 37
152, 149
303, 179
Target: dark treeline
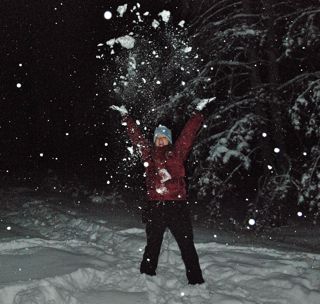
262, 140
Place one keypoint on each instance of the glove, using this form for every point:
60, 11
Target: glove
203, 103
122, 110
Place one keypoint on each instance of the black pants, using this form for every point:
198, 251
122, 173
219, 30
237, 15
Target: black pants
175, 216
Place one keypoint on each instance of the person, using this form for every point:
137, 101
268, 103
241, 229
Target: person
167, 205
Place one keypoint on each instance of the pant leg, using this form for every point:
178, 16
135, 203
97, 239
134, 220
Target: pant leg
155, 228
180, 225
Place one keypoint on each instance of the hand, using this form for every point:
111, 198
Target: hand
203, 103
122, 110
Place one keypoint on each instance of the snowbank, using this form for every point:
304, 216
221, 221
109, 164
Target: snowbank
82, 259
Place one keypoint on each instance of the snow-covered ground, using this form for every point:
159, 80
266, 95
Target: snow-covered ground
52, 253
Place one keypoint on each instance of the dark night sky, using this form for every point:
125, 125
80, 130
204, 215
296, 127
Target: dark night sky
50, 48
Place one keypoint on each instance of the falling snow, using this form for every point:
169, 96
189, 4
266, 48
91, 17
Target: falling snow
130, 149
122, 9
252, 222
126, 41
182, 23
188, 49
107, 15
155, 23
165, 15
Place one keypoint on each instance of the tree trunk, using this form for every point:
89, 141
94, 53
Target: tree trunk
256, 82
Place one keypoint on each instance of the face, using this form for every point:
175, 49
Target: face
161, 141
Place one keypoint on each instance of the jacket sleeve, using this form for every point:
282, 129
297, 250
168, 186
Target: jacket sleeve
136, 137
184, 142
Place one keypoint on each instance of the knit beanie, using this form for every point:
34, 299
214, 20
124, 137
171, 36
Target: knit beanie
164, 131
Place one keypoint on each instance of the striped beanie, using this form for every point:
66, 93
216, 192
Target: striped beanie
164, 131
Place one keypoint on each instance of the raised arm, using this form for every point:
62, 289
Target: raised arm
185, 141
134, 132
136, 137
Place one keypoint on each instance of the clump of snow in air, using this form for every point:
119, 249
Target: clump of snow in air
299, 213
188, 49
276, 150
269, 167
8, 228
165, 15
264, 134
126, 41
111, 42
130, 149
122, 9
107, 15
304, 153
146, 164
19, 85
252, 222
182, 23
20, 64
155, 23
106, 144
41, 154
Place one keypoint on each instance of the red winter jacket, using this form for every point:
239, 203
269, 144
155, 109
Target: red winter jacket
165, 172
